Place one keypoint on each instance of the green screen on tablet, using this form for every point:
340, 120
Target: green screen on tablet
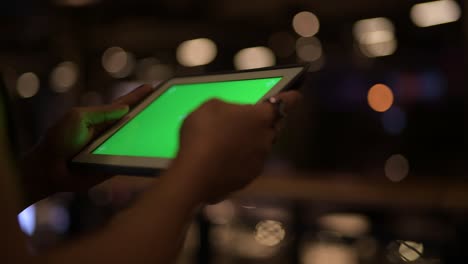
154, 132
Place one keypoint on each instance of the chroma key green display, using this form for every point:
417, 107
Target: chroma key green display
154, 132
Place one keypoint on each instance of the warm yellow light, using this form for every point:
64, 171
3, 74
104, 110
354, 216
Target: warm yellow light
306, 24
410, 251
345, 223
329, 253
435, 13
269, 233
380, 97
241, 240
117, 62
368, 26
252, 58
379, 49
196, 52
27, 85
376, 36
64, 76
396, 168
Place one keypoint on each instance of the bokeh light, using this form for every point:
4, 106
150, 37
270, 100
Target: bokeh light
347, 224
376, 36
282, 43
396, 168
240, 241
373, 30
269, 232
329, 253
435, 13
380, 97
64, 76
379, 49
253, 58
196, 52
27, 85
220, 213
27, 220
309, 49
394, 120
117, 62
306, 24
150, 70
114, 59
410, 251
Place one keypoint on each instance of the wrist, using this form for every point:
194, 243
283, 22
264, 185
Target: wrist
189, 176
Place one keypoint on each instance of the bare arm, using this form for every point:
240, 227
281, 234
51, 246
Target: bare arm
149, 232
222, 149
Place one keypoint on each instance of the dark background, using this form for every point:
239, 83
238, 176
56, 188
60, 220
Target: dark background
332, 157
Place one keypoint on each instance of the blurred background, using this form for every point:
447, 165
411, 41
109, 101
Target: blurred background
372, 169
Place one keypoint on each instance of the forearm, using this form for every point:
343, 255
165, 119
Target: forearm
149, 232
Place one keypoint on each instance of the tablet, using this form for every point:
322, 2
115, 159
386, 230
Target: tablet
147, 138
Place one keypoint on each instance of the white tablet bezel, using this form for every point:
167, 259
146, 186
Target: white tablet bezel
85, 157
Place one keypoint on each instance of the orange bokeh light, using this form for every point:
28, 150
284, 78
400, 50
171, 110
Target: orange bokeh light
380, 97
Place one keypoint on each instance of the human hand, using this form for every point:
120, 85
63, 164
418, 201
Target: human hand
68, 136
224, 146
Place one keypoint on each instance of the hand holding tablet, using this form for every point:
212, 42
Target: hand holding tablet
147, 139
45, 168
223, 146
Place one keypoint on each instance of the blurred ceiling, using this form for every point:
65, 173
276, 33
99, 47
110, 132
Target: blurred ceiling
140, 25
